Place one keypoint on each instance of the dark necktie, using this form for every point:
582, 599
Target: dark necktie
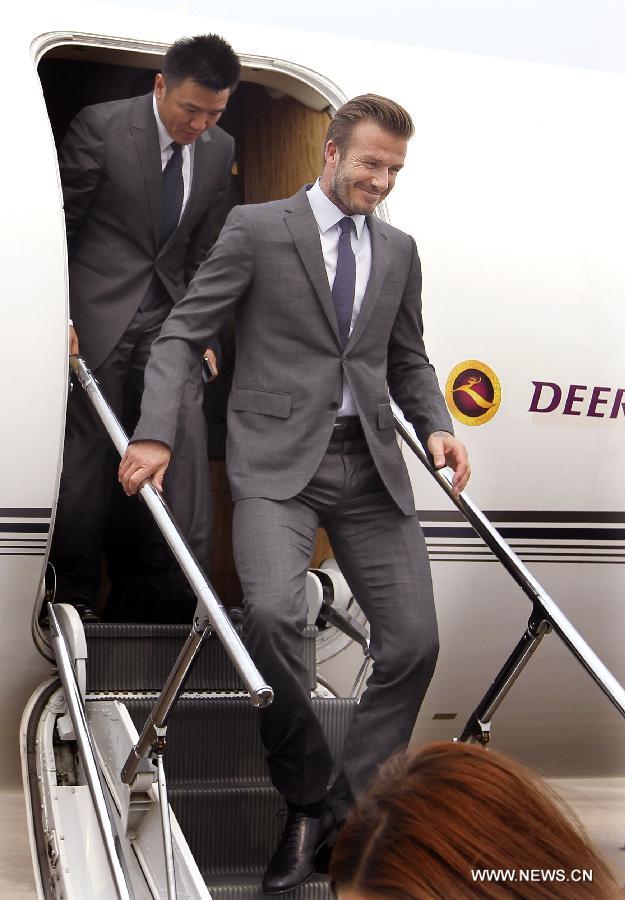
173, 192
345, 279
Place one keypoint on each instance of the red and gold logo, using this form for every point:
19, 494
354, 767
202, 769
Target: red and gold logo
473, 392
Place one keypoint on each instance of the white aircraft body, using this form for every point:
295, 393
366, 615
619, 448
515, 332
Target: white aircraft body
514, 189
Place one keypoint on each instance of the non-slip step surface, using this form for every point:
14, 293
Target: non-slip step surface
237, 888
216, 739
127, 657
230, 830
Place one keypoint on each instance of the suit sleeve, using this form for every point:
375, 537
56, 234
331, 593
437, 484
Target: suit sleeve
193, 324
207, 231
411, 377
81, 163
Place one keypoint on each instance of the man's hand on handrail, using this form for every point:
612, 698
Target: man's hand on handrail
73, 341
447, 450
142, 460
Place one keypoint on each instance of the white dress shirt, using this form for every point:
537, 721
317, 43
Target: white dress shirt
327, 216
165, 142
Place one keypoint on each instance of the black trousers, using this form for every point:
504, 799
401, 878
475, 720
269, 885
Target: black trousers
89, 484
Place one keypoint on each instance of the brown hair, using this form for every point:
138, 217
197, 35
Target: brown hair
434, 817
370, 107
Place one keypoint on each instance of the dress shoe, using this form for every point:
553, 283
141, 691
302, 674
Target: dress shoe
87, 615
293, 863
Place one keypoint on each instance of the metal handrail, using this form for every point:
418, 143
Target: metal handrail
76, 708
260, 693
544, 606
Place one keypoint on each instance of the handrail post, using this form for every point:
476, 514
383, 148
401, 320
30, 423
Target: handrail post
477, 727
97, 789
170, 691
165, 820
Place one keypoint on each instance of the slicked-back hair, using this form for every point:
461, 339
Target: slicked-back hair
206, 59
390, 116
435, 816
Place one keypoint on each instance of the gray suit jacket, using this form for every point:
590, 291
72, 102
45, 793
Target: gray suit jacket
110, 166
267, 267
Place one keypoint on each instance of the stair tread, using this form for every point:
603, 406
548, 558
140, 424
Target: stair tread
202, 732
129, 656
248, 887
216, 880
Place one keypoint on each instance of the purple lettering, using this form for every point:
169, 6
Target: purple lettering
618, 403
552, 404
595, 401
572, 398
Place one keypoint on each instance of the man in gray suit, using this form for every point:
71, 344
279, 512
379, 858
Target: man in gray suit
327, 305
147, 187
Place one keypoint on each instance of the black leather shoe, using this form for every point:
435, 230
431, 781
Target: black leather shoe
87, 615
293, 862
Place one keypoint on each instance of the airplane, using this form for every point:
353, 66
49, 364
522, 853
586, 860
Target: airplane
514, 190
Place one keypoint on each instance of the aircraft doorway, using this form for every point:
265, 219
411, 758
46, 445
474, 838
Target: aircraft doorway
278, 123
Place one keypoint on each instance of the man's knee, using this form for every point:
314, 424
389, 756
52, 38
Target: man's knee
412, 654
272, 614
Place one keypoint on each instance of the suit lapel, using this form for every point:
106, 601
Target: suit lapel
379, 271
303, 227
145, 136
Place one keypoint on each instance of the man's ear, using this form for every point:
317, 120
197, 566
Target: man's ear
159, 86
331, 154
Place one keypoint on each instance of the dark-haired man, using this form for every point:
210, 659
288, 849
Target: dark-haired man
147, 186
327, 306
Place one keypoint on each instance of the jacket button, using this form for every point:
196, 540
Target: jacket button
334, 405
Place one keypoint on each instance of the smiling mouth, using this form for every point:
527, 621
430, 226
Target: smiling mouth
372, 194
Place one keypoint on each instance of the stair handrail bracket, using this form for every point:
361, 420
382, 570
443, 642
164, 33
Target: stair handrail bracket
543, 606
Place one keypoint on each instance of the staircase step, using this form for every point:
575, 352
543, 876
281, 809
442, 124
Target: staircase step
213, 740
128, 657
231, 831
240, 888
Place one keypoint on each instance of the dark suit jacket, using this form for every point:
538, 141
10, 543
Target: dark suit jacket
111, 175
267, 267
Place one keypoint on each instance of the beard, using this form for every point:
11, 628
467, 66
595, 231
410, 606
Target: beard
342, 195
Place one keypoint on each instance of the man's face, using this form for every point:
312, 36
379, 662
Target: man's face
188, 109
361, 176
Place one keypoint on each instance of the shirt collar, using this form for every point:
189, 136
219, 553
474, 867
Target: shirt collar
327, 214
164, 137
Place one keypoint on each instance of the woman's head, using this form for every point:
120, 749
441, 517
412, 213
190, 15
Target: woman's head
441, 821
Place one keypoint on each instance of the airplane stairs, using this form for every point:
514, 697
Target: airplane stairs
218, 784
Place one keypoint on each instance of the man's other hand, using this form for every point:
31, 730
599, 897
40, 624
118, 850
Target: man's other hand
73, 341
143, 460
447, 450
211, 362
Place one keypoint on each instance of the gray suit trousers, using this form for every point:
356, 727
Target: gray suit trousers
382, 554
